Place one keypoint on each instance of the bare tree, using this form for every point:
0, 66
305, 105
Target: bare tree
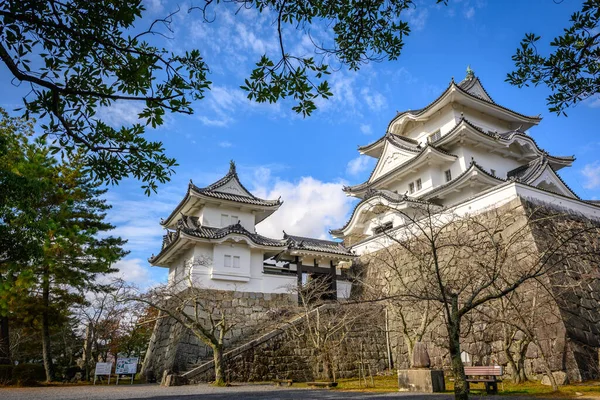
326, 324
207, 314
463, 262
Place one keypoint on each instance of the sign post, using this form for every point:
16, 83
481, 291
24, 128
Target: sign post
126, 366
102, 369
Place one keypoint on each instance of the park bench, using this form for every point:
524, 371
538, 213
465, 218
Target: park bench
485, 374
327, 385
281, 382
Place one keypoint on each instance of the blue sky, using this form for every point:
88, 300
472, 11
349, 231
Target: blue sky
306, 161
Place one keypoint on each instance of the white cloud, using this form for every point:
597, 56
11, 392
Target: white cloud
358, 165
417, 17
470, 12
593, 102
223, 103
366, 129
592, 175
225, 144
375, 100
121, 113
310, 207
136, 271
153, 6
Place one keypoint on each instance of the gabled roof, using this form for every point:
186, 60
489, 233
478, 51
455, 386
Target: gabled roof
228, 189
374, 149
506, 138
473, 85
316, 245
530, 172
425, 151
190, 226
223, 188
465, 88
391, 197
475, 171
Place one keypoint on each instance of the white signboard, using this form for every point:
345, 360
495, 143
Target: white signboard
126, 366
102, 369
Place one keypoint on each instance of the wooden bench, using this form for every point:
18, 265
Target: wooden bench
485, 374
327, 385
281, 382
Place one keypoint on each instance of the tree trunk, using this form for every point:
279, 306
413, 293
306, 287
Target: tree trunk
218, 359
87, 351
4, 341
461, 386
46, 353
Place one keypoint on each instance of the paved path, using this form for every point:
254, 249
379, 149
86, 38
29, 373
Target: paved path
206, 392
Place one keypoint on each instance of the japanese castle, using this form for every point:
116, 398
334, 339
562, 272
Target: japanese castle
463, 152
211, 240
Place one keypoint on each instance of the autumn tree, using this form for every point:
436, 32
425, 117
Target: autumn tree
57, 242
76, 57
572, 69
465, 262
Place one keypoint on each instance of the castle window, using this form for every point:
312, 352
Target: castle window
234, 219
419, 184
435, 136
411, 187
227, 262
236, 261
448, 175
383, 227
224, 220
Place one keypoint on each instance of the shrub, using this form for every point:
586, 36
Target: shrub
6, 374
28, 374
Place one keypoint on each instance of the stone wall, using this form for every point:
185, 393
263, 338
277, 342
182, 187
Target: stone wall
288, 353
176, 349
567, 315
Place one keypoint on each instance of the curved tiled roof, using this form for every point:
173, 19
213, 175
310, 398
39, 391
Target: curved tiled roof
317, 245
465, 91
531, 171
399, 141
367, 184
248, 198
472, 167
505, 136
467, 84
392, 197
213, 192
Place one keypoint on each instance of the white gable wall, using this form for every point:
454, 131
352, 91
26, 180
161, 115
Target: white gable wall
211, 216
445, 119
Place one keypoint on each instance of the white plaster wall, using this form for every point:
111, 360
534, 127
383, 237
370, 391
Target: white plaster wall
211, 216
444, 120
487, 160
485, 121
392, 216
343, 289
219, 270
390, 159
494, 198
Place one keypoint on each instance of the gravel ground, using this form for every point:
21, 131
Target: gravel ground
205, 392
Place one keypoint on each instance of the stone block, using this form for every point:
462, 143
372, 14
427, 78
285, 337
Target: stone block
421, 380
559, 376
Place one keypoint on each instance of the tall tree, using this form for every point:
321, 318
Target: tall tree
23, 168
572, 70
76, 250
77, 56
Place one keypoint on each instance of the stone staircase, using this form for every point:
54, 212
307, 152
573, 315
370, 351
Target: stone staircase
203, 369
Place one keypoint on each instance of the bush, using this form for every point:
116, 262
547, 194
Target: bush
6, 374
28, 374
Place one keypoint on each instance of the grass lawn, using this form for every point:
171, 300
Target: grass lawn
390, 384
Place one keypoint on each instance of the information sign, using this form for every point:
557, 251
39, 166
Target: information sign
126, 366
102, 369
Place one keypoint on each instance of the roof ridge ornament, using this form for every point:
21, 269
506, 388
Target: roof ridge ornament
470, 73
232, 167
